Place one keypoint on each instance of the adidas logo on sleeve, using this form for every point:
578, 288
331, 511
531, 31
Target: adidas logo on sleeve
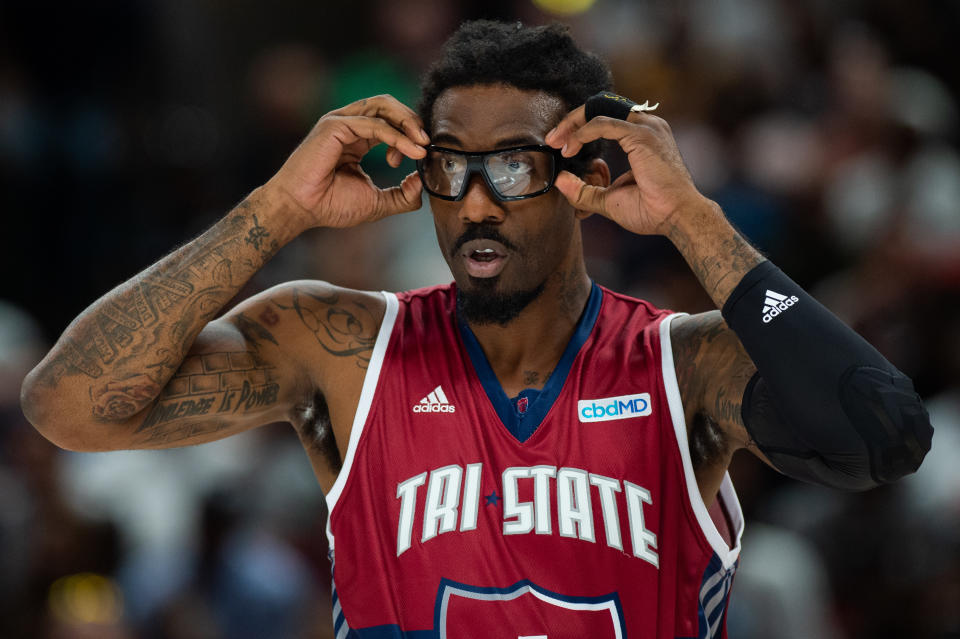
774, 304
435, 402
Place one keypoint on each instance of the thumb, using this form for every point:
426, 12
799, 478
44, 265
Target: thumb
581, 195
402, 198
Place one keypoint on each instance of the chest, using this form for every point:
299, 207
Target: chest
443, 461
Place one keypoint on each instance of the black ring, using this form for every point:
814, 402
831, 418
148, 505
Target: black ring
608, 104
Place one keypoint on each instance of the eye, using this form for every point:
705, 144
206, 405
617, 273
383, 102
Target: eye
517, 163
451, 163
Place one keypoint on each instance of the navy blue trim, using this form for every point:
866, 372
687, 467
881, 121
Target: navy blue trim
445, 584
523, 428
717, 613
393, 631
390, 631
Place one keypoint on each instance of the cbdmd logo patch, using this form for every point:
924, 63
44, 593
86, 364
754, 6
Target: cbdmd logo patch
608, 408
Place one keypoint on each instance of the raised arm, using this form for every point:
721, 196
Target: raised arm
777, 373
145, 367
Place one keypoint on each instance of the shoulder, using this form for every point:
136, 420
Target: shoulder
623, 318
693, 331
615, 301
323, 293
438, 294
314, 319
704, 347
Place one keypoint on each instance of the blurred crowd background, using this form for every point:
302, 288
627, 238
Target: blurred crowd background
827, 130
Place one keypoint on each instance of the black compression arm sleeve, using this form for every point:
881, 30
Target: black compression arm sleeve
825, 406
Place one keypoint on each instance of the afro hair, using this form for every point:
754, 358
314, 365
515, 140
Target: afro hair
543, 58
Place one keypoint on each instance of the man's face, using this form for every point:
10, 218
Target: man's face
500, 253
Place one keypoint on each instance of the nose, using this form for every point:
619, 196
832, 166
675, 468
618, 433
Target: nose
478, 204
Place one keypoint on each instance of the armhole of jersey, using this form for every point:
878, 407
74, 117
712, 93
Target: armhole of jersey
728, 497
363, 406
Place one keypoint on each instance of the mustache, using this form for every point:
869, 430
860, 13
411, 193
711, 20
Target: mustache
481, 232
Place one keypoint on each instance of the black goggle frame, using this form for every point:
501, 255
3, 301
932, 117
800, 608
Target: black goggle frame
476, 164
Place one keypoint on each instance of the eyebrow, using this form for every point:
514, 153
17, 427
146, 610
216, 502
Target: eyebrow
448, 139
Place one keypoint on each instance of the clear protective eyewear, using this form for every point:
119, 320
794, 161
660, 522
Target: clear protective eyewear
511, 174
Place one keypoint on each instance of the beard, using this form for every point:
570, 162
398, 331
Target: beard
483, 304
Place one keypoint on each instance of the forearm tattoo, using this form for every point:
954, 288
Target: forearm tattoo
722, 266
132, 341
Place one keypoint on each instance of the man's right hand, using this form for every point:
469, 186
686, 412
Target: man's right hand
323, 176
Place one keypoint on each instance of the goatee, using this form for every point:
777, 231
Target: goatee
483, 304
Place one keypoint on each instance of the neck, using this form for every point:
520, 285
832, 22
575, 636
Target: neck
525, 351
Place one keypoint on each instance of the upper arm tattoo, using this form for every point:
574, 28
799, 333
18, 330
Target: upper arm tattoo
691, 338
205, 391
208, 389
345, 328
712, 372
252, 330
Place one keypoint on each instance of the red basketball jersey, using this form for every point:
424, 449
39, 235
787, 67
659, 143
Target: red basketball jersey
577, 515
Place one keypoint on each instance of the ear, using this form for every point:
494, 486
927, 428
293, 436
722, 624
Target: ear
598, 174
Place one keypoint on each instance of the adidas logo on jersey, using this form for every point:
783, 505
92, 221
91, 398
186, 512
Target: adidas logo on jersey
775, 303
435, 402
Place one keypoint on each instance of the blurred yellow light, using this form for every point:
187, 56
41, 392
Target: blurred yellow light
86, 598
564, 7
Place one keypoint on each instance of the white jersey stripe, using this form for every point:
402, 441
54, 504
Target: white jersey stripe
710, 605
363, 406
728, 556
710, 583
337, 611
716, 611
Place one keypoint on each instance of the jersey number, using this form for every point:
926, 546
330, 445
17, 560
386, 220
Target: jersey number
525, 611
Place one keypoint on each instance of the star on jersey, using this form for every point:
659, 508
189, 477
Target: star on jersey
492, 498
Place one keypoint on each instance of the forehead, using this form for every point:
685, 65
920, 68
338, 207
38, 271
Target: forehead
493, 116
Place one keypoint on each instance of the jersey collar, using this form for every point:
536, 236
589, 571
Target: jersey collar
522, 427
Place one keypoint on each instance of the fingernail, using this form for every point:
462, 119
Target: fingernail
550, 132
423, 135
563, 151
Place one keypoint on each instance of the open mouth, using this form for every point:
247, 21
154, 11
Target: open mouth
483, 258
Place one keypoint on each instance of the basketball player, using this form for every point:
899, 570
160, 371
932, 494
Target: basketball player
522, 453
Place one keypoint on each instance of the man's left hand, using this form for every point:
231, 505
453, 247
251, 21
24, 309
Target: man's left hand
646, 198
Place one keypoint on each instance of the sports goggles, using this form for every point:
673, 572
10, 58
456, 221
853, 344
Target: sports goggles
511, 174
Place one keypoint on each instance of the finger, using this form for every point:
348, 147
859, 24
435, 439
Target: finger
387, 107
400, 199
608, 129
564, 133
557, 136
365, 128
581, 195
394, 157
